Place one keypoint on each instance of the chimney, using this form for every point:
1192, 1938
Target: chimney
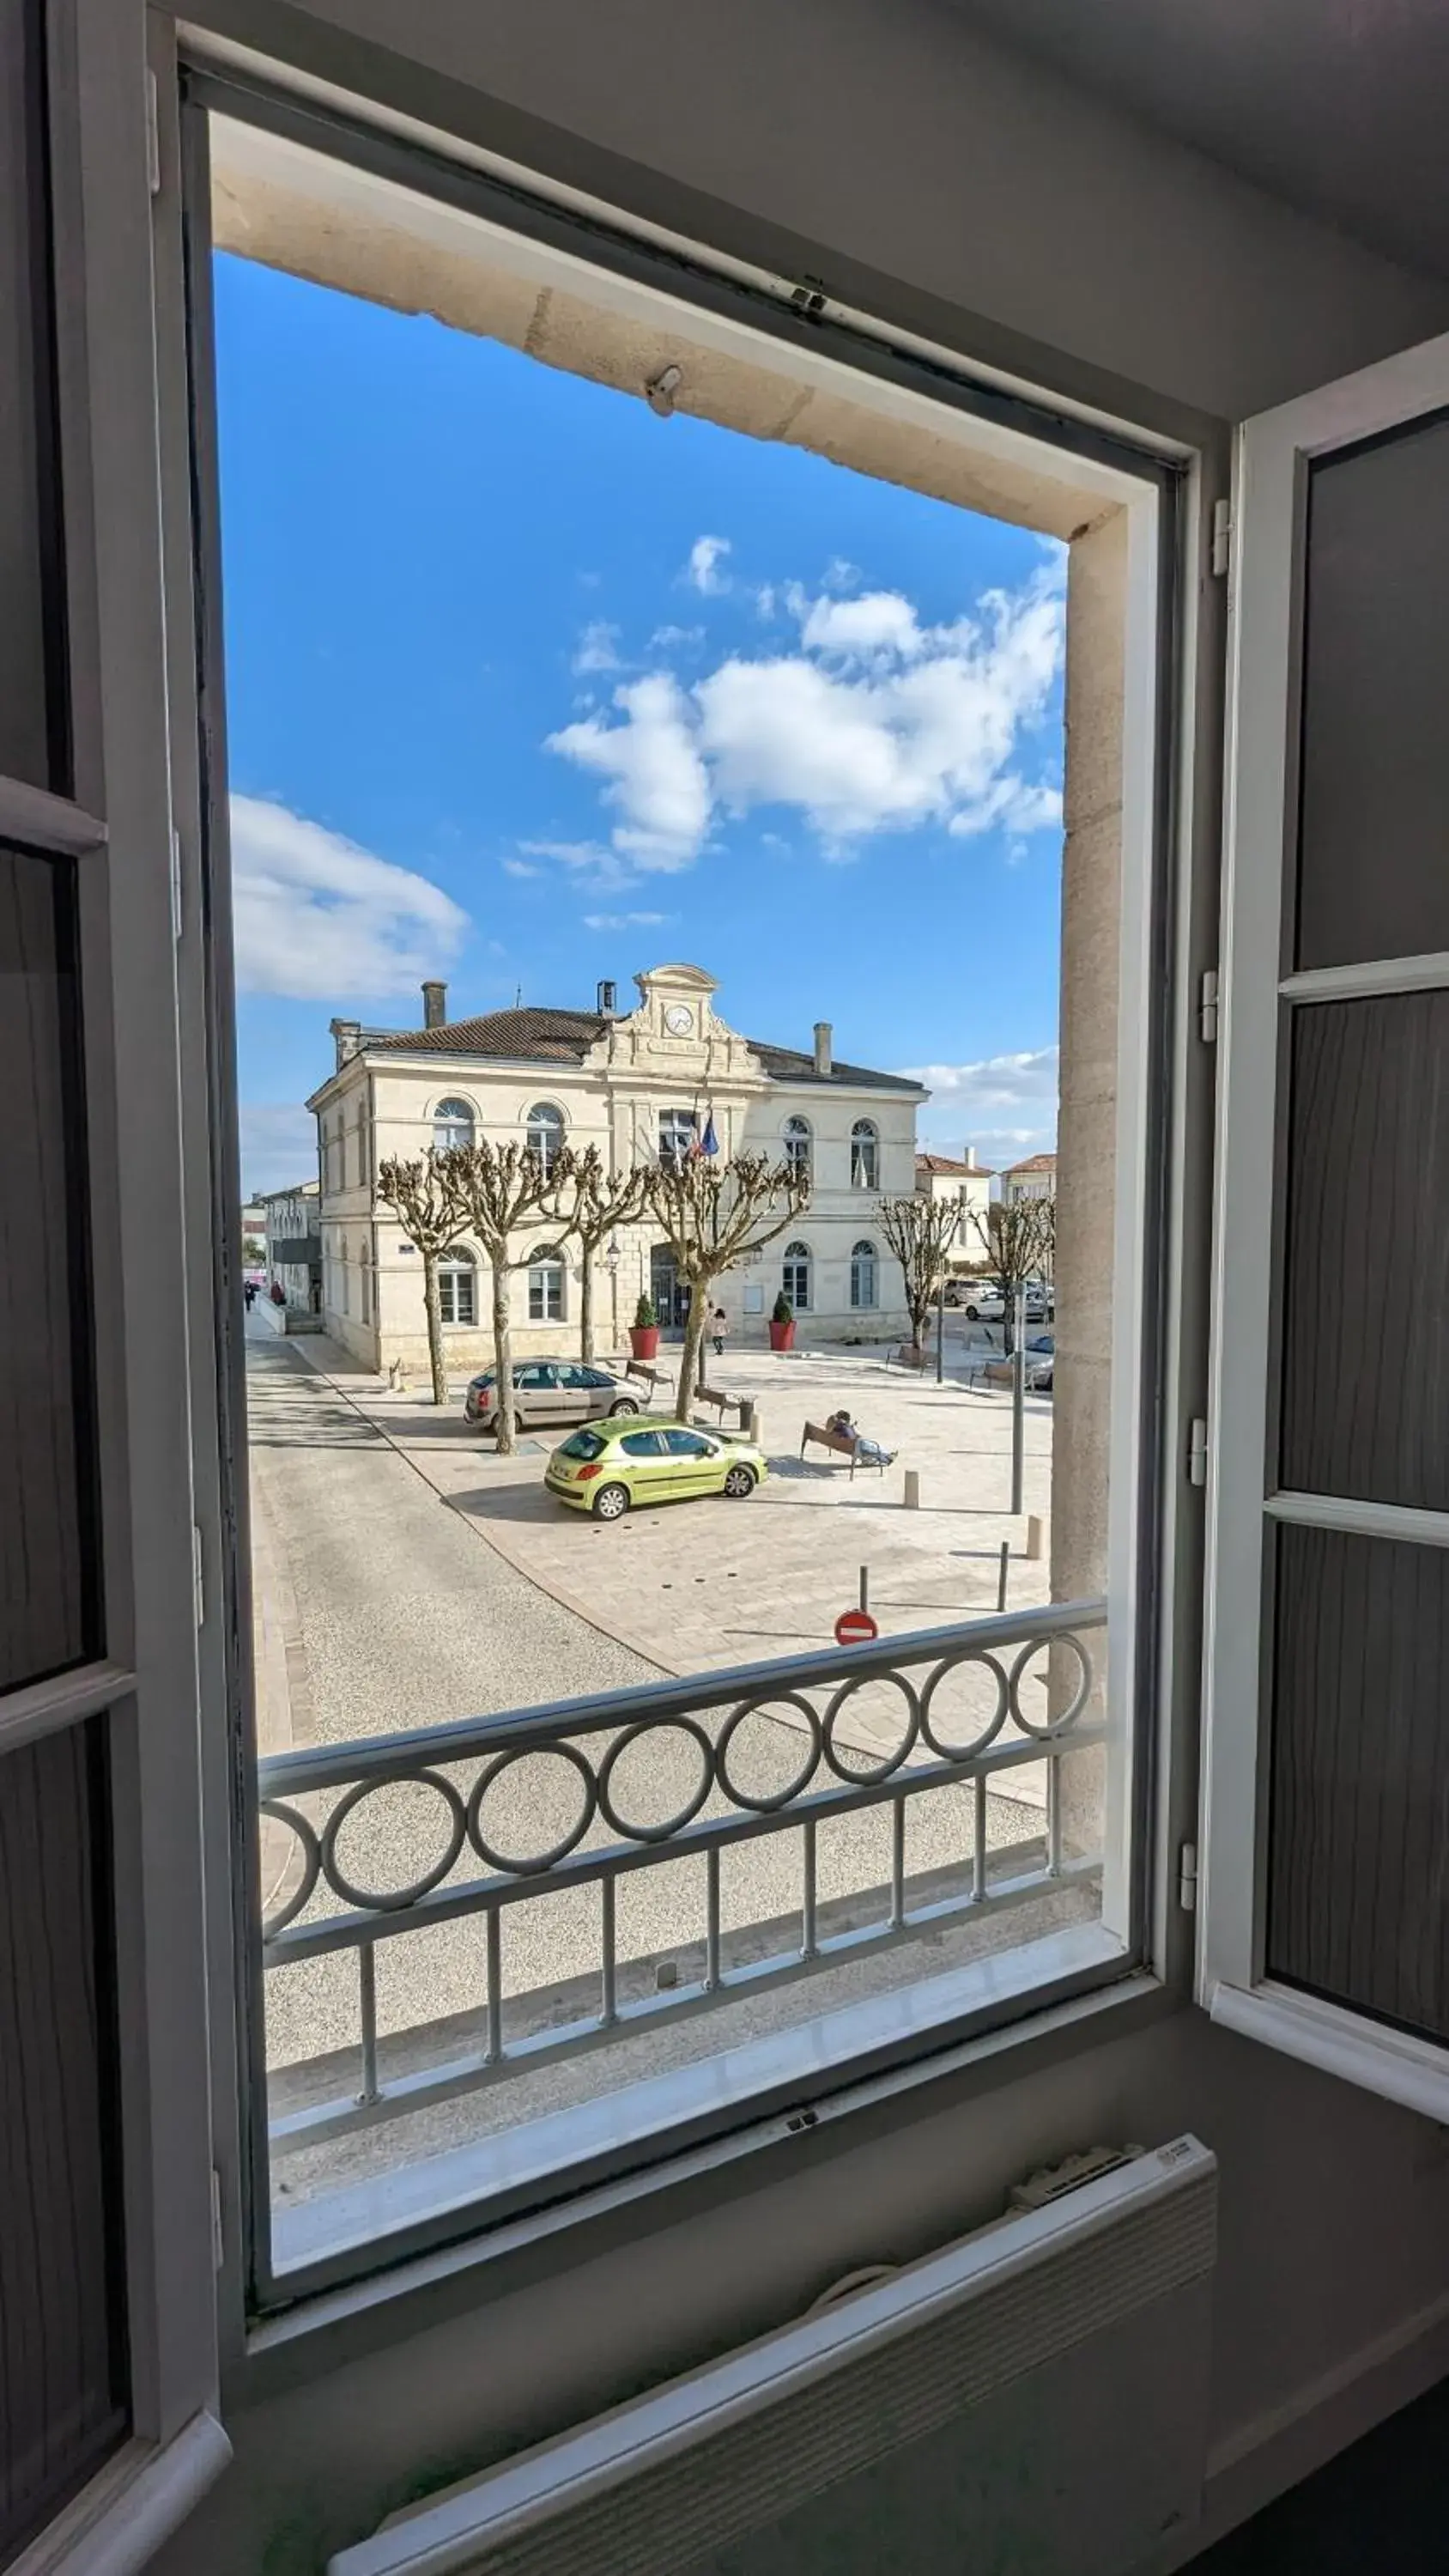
435, 1006
822, 1047
969, 1157
608, 1000
348, 1037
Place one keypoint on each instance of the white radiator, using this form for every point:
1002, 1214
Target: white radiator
1034, 2396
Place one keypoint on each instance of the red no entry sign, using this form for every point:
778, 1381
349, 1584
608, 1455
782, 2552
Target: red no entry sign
855, 1628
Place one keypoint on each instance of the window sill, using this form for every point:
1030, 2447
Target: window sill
1339, 2042
331, 2327
132, 2506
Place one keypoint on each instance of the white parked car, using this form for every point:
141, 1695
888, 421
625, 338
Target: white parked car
981, 1301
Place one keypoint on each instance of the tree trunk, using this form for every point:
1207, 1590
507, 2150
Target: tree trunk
689, 1371
502, 1357
586, 1299
433, 1305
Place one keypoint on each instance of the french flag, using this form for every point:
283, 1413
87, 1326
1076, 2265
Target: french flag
709, 1142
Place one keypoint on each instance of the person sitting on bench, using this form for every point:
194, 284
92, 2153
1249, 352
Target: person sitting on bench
864, 1447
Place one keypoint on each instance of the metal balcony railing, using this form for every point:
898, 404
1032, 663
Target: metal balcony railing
323, 1910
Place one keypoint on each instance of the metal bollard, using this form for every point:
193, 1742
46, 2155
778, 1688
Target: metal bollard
911, 1498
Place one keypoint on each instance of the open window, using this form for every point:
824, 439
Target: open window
1325, 1927
723, 1863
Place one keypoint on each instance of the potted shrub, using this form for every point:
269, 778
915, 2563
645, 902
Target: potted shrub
644, 1331
782, 1324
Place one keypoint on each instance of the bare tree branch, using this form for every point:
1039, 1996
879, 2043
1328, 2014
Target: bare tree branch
589, 1203
423, 1194
715, 1213
920, 1232
501, 1186
1019, 1239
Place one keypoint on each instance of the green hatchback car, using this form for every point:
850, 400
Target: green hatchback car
613, 1465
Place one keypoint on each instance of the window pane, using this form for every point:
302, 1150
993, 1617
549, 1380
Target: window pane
1366, 1305
1373, 881
62, 2377
1360, 1775
49, 1565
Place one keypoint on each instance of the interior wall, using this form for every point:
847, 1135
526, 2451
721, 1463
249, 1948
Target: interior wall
892, 152
903, 158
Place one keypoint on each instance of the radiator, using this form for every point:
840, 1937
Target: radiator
1033, 2397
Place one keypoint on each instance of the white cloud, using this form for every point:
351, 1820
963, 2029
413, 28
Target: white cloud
278, 1145
876, 723
654, 771
626, 920
672, 639
318, 919
521, 868
598, 648
703, 569
1004, 1105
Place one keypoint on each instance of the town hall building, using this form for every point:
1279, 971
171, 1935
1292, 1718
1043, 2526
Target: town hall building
637, 1084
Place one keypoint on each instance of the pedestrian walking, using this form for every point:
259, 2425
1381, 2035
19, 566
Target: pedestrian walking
719, 1326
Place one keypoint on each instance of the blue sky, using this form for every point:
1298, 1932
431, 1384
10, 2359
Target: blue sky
528, 687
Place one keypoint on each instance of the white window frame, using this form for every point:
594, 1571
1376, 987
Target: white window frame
865, 1145
547, 1271
455, 1264
678, 1136
1269, 499
797, 1143
443, 1117
1113, 479
552, 1126
859, 1252
798, 1255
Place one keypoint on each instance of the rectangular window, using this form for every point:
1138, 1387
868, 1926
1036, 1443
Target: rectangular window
505, 1995
546, 1292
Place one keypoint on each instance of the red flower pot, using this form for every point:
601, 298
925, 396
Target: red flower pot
644, 1341
782, 1336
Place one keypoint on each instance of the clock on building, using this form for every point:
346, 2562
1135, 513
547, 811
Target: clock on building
679, 1019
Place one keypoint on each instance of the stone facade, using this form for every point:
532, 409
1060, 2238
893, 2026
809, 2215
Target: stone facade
968, 1184
625, 1083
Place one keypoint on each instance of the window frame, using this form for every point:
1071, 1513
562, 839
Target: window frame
865, 1133
798, 1255
860, 1252
1161, 485
1258, 993
548, 1115
444, 1114
547, 1270
455, 1264
678, 1134
797, 1143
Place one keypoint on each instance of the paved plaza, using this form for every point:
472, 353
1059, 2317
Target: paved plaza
406, 1576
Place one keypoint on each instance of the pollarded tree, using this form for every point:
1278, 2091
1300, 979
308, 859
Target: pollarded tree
714, 1214
1019, 1240
588, 1206
423, 1195
502, 1187
920, 1232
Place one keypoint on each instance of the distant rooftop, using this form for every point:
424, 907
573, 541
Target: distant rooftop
1033, 1163
942, 1167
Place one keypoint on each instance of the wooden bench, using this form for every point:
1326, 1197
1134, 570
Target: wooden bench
839, 1444
711, 1395
653, 1378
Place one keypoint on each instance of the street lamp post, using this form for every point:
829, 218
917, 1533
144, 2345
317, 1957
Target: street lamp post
611, 1264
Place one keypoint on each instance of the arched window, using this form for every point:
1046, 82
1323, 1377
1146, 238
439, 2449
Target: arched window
452, 1125
795, 1276
458, 1287
863, 1273
546, 1276
864, 1157
798, 1141
544, 1133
